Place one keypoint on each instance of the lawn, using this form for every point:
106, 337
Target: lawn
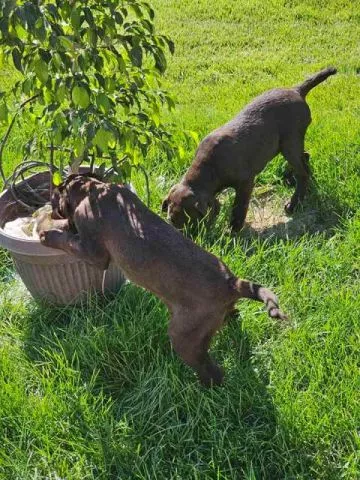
97, 393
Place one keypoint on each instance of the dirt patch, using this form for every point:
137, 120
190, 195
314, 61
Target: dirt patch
266, 217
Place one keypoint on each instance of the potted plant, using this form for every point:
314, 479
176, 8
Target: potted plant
90, 84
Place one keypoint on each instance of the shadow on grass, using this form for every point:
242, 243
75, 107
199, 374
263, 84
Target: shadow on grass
317, 215
161, 423
267, 221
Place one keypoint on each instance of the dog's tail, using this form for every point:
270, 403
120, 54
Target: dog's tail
305, 87
257, 292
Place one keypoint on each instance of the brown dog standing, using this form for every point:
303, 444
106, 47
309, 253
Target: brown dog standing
235, 153
109, 223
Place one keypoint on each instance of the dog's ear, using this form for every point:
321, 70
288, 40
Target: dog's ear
64, 206
165, 205
201, 206
60, 204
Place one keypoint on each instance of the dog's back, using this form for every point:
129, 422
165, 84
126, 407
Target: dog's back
155, 255
242, 147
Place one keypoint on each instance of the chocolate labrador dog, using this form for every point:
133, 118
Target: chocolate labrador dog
107, 222
235, 153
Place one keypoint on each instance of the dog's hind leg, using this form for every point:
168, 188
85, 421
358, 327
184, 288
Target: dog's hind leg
191, 342
293, 150
289, 177
241, 204
88, 251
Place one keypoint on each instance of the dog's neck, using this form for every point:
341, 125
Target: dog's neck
79, 188
200, 179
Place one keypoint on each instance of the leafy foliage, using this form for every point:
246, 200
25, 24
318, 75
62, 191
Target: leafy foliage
93, 69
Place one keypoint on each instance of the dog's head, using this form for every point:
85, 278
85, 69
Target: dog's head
59, 203
184, 206
67, 195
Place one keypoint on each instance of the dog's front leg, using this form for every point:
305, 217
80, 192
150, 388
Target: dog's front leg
43, 223
241, 205
88, 251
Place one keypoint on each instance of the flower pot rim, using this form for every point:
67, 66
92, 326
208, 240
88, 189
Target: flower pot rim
25, 246
29, 246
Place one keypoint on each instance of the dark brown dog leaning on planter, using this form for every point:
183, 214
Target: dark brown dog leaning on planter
107, 222
235, 153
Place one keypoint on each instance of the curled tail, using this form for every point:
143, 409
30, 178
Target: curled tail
257, 292
305, 87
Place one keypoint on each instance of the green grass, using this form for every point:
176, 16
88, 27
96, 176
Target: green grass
96, 392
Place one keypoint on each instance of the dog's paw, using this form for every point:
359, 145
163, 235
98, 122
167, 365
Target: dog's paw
289, 179
289, 208
212, 375
236, 227
275, 312
43, 236
50, 238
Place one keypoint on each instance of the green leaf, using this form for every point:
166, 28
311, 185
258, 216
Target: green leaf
3, 112
16, 56
150, 10
80, 96
118, 18
75, 18
48, 96
79, 147
103, 103
65, 42
20, 31
171, 103
137, 10
160, 61
41, 70
57, 137
60, 93
122, 64
92, 36
103, 138
27, 86
40, 30
156, 119
136, 56
110, 85
171, 45
89, 17
53, 11
136, 157
84, 61
56, 60
56, 179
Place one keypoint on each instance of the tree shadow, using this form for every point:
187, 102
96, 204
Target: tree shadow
120, 349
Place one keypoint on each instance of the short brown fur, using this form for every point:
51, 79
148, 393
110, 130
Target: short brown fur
109, 223
235, 153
